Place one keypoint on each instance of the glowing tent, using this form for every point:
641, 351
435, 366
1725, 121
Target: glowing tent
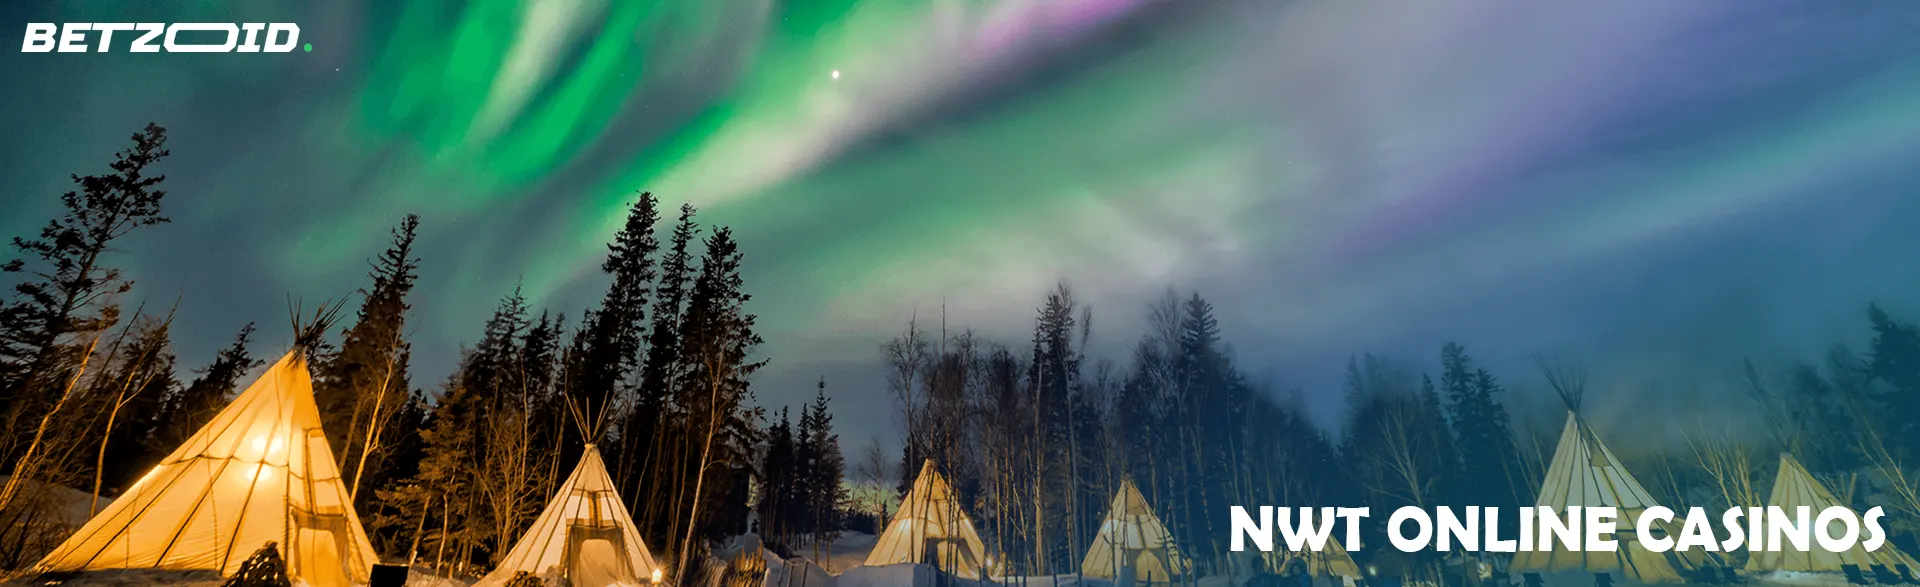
1132, 537
260, 472
1794, 487
1332, 563
585, 536
1584, 473
930, 527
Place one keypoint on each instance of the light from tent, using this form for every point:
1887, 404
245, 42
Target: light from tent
656, 576
143, 481
266, 447
259, 473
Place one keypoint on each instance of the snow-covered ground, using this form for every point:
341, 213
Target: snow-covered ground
134, 578
56, 512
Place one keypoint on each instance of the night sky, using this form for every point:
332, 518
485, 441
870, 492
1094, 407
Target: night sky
1653, 189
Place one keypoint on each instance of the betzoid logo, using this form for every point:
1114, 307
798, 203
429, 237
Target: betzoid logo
155, 37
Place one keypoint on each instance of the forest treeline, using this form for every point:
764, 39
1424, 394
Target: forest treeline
1035, 436
448, 474
1037, 439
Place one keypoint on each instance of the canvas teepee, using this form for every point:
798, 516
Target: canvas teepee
1584, 473
931, 527
260, 472
1133, 537
584, 536
1794, 487
1333, 562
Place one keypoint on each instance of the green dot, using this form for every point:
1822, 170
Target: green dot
308, 48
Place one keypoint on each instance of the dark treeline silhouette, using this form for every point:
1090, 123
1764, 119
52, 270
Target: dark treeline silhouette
448, 475
803, 499
1036, 440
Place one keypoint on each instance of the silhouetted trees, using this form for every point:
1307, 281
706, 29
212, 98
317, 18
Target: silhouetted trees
64, 295
362, 387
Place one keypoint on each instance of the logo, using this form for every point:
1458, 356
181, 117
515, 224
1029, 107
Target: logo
156, 37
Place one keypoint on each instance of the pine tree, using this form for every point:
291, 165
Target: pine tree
911, 458
193, 406
1052, 378
540, 357
435, 512
822, 467
1489, 462
777, 470
64, 291
1396, 445
361, 387
509, 457
493, 371
1893, 364
615, 330
644, 423
64, 299
717, 342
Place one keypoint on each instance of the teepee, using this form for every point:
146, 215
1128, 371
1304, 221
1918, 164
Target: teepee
260, 472
1133, 537
1794, 487
584, 536
1333, 562
1584, 473
931, 527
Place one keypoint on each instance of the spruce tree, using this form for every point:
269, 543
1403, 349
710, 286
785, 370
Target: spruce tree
777, 470
435, 512
645, 421
718, 342
822, 467
1489, 462
615, 330
193, 406
1893, 365
540, 355
64, 287
1053, 375
362, 387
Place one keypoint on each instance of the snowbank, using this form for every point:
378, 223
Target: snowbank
424, 577
131, 578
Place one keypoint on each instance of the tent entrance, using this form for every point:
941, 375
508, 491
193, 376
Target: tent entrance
948, 554
314, 547
595, 554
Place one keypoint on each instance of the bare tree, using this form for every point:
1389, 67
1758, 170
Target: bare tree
29, 462
137, 368
510, 472
1729, 463
906, 355
873, 471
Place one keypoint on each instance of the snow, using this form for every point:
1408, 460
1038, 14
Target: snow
843, 554
132, 578
424, 577
69, 505
54, 513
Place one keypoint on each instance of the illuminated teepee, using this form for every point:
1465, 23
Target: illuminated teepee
585, 536
1133, 537
1794, 487
260, 472
1584, 473
931, 527
1333, 562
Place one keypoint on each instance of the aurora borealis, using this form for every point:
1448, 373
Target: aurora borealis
1648, 185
